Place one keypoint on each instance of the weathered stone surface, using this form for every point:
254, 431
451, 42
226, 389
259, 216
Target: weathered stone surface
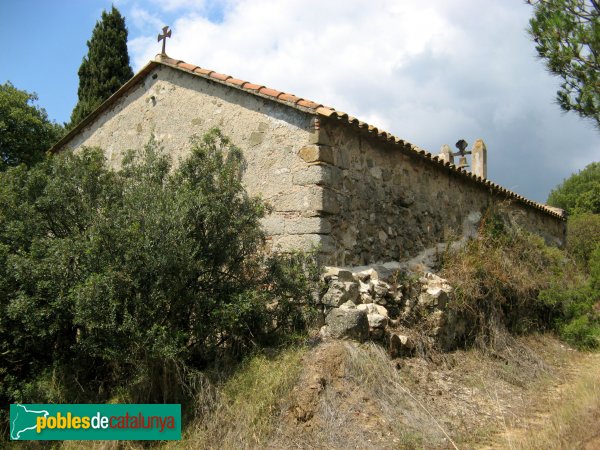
320, 174
273, 225
366, 288
340, 292
307, 225
319, 137
316, 153
372, 308
345, 276
306, 242
348, 305
381, 289
314, 174
446, 154
347, 323
330, 272
377, 320
256, 137
400, 206
400, 344
413, 302
363, 276
479, 158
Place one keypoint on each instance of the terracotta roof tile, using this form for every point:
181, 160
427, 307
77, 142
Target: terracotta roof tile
308, 104
289, 98
202, 71
236, 81
270, 92
322, 110
252, 86
220, 76
187, 66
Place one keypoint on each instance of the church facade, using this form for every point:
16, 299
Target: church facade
358, 193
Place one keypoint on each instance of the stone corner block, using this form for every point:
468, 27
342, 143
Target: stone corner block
319, 137
316, 153
307, 225
319, 174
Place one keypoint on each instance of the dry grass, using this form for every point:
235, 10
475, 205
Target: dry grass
566, 420
240, 412
363, 399
362, 403
244, 410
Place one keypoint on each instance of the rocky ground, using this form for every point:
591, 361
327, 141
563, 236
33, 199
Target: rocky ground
354, 396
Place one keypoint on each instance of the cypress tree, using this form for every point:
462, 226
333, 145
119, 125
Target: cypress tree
106, 66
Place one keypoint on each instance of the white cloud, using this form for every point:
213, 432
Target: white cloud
144, 20
429, 72
177, 5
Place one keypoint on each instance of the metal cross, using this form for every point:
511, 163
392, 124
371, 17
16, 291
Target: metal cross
166, 33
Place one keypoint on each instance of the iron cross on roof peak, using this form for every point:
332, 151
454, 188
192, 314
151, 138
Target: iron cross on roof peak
166, 33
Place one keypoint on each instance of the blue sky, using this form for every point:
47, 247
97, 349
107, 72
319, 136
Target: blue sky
429, 72
44, 42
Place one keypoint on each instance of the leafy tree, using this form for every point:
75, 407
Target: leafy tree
580, 193
130, 278
583, 236
25, 131
567, 37
105, 68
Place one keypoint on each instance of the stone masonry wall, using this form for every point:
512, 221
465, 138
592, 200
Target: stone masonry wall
174, 105
362, 200
392, 205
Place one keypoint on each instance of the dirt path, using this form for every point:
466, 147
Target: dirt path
558, 413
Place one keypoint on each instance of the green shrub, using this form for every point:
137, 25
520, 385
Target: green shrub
574, 313
580, 193
121, 283
583, 236
594, 266
581, 332
508, 278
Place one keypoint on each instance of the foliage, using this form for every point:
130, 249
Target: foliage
580, 193
567, 37
105, 68
574, 313
243, 410
25, 131
583, 236
121, 283
508, 278
594, 268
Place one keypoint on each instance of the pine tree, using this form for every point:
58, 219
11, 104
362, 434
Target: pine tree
106, 66
567, 37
